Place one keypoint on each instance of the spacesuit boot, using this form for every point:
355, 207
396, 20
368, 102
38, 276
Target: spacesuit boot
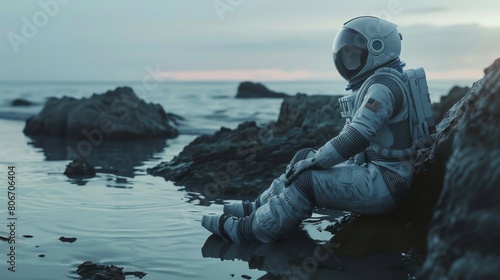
224, 226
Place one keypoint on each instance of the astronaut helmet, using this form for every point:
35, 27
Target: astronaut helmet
364, 44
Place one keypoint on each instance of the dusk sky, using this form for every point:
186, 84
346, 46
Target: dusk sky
262, 40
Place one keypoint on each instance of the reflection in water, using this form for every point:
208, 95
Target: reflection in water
346, 256
112, 157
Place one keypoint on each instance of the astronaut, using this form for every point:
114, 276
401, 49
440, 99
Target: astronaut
367, 168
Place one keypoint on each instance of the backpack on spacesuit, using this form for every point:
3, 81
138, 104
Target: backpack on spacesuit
422, 118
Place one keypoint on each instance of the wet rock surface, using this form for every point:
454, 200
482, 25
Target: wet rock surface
463, 235
96, 271
245, 160
117, 114
257, 90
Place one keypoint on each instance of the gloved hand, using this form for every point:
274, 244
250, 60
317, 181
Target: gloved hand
299, 167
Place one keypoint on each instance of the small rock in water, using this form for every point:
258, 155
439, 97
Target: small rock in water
92, 271
41, 256
21, 102
67, 239
257, 90
246, 276
28, 236
79, 168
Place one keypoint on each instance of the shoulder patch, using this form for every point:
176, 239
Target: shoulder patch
373, 105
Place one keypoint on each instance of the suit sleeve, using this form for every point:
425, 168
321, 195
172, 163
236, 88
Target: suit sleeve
375, 111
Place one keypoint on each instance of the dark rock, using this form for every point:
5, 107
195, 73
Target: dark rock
245, 160
41, 256
463, 235
257, 90
447, 101
28, 236
96, 271
21, 102
117, 114
79, 168
67, 239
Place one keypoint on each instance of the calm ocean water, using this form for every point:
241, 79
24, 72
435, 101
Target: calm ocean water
131, 219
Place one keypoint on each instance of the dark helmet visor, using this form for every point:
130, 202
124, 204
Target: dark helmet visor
350, 51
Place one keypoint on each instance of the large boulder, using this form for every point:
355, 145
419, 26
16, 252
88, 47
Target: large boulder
245, 160
257, 90
117, 114
447, 101
463, 237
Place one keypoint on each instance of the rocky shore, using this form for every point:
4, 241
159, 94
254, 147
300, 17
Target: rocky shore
450, 217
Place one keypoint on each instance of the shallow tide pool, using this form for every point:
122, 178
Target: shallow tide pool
142, 223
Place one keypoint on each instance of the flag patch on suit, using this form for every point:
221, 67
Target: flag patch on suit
373, 105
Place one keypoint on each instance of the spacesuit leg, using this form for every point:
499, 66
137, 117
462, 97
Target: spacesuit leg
350, 187
354, 188
245, 208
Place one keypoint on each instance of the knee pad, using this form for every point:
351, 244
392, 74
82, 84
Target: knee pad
248, 234
304, 183
300, 155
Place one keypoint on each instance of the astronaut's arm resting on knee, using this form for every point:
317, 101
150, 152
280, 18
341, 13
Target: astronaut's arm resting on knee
375, 111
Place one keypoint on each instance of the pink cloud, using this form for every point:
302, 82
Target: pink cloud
457, 74
297, 75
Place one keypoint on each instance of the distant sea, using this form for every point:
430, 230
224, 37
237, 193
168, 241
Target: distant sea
207, 105
137, 221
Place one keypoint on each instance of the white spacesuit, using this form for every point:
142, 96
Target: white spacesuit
367, 168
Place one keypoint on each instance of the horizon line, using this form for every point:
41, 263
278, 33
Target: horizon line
211, 81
